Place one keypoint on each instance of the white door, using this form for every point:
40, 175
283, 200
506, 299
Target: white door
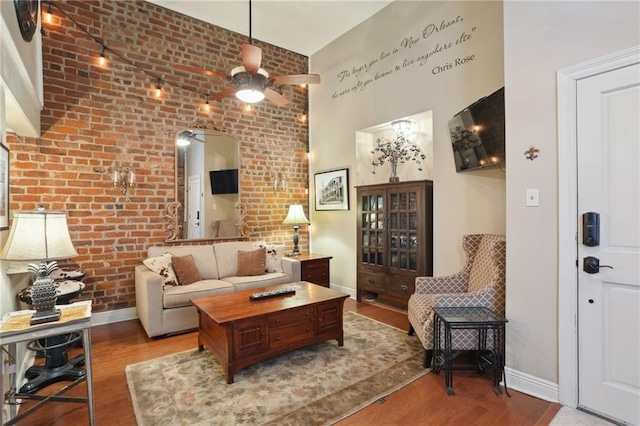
608, 117
194, 219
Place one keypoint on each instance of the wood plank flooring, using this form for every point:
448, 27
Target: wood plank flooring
423, 402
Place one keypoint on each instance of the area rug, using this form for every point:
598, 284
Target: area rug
320, 384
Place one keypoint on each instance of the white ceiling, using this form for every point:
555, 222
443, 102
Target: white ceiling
302, 26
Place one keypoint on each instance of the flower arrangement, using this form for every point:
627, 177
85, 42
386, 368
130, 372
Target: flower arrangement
400, 150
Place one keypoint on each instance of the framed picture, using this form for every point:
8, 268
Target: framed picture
332, 190
4, 188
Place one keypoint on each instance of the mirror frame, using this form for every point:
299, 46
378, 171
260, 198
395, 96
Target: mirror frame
175, 227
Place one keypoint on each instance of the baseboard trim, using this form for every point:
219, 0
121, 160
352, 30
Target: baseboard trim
109, 317
531, 385
350, 291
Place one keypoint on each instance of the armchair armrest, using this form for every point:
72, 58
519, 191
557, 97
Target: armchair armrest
456, 283
149, 289
293, 268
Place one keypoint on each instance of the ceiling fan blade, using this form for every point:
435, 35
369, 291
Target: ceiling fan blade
251, 57
297, 79
201, 71
275, 97
225, 93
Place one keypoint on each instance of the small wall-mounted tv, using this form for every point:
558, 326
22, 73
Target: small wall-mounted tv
224, 181
477, 134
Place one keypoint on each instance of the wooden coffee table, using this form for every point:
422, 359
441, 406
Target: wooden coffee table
241, 332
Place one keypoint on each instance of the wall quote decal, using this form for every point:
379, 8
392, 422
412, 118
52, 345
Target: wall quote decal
422, 49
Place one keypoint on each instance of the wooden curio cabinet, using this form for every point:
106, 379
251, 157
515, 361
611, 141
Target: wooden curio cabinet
395, 240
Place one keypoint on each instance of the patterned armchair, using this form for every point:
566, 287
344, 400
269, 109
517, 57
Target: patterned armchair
480, 283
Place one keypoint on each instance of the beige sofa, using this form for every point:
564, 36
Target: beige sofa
167, 309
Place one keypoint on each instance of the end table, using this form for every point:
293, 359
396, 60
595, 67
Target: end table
484, 320
15, 328
57, 366
314, 268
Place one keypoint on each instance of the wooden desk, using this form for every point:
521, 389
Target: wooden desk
15, 328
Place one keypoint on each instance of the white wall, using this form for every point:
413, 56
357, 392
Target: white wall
21, 101
463, 203
20, 74
540, 39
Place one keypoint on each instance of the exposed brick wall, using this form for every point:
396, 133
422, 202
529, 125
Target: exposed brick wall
95, 118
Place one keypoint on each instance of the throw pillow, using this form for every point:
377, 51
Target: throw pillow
185, 269
251, 262
162, 265
273, 259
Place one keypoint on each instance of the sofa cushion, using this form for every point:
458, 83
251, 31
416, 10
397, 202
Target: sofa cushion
202, 256
185, 269
266, 280
251, 262
162, 265
227, 256
175, 297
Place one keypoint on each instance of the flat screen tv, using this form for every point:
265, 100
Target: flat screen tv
477, 134
224, 181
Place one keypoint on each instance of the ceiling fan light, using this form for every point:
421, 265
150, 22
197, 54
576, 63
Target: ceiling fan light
250, 95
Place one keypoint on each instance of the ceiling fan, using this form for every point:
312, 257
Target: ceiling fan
251, 83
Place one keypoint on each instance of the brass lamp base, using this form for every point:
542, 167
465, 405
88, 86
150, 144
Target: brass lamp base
41, 317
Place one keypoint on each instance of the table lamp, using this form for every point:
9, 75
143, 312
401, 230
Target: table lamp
42, 236
295, 217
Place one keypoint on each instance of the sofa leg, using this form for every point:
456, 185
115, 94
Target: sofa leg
428, 357
411, 330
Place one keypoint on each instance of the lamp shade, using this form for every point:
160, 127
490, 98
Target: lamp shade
38, 235
295, 215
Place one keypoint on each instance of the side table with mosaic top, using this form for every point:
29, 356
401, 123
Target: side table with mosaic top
490, 328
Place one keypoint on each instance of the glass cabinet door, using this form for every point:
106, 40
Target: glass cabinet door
372, 229
403, 230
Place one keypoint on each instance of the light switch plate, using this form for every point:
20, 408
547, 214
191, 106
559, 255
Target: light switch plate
532, 197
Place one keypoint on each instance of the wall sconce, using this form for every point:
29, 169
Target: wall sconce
279, 182
124, 178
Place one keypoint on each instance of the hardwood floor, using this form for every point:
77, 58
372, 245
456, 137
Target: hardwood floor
423, 402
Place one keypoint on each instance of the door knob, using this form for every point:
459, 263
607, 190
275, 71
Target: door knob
591, 265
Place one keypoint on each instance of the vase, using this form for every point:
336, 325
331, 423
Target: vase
394, 171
